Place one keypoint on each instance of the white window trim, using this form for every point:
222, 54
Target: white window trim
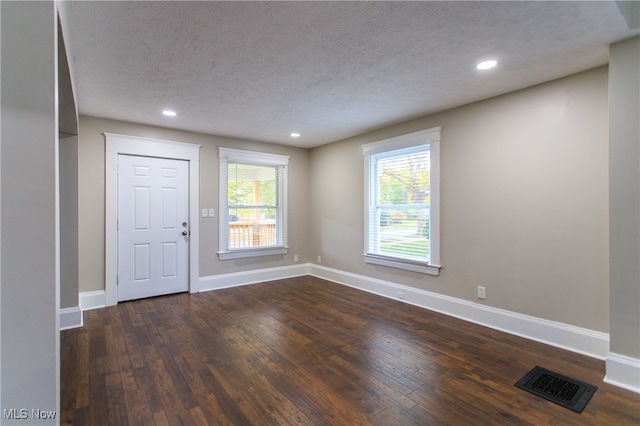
258, 158
431, 137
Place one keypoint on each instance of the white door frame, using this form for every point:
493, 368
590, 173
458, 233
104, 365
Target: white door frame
133, 145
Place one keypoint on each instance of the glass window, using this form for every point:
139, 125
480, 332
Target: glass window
253, 204
402, 202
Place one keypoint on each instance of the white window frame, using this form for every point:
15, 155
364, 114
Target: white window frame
257, 158
429, 137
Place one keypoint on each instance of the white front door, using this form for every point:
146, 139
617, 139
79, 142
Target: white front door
153, 226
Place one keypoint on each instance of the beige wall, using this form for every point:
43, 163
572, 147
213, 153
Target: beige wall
524, 194
68, 158
68, 180
29, 299
92, 198
624, 94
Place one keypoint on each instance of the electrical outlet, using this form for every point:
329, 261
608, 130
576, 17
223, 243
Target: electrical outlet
205, 213
319, 259
295, 258
212, 212
482, 292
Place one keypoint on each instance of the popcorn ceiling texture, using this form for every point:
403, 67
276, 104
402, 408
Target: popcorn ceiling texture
330, 70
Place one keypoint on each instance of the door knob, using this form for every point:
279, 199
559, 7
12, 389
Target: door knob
185, 233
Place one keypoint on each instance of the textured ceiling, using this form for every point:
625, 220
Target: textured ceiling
329, 70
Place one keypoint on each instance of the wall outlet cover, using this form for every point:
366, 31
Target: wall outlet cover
482, 292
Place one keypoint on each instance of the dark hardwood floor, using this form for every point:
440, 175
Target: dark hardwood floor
307, 351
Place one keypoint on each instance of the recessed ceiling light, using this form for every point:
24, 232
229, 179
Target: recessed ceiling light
485, 65
169, 113
295, 135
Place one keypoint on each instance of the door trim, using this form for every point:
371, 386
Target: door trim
116, 145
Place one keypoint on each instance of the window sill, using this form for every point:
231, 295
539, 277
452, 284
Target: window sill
242, 254
408, 265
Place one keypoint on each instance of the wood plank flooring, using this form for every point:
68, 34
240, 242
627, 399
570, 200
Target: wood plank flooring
304, 351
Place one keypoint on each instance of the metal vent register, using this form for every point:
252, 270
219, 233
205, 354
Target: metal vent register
562, 390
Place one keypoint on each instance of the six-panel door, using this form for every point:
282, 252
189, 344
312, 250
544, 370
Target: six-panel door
153, 228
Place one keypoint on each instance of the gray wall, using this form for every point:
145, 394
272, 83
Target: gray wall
92, 196
69, 263
68, 182
524, 194
29, 366
624, 101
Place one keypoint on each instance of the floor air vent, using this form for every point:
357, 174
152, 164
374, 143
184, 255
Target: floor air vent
570, 393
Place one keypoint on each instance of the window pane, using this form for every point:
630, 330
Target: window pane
401, 194
252, 227
252, 206
251, 185
404, 179
404, 233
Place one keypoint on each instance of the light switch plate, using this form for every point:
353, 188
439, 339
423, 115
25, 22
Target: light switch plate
212, 212
205, 213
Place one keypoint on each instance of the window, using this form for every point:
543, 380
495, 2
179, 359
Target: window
253, 204
402, 202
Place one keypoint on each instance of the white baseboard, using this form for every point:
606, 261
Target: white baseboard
93, 300
623, 371
584, 341
98, 299
70, 318
235, 279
